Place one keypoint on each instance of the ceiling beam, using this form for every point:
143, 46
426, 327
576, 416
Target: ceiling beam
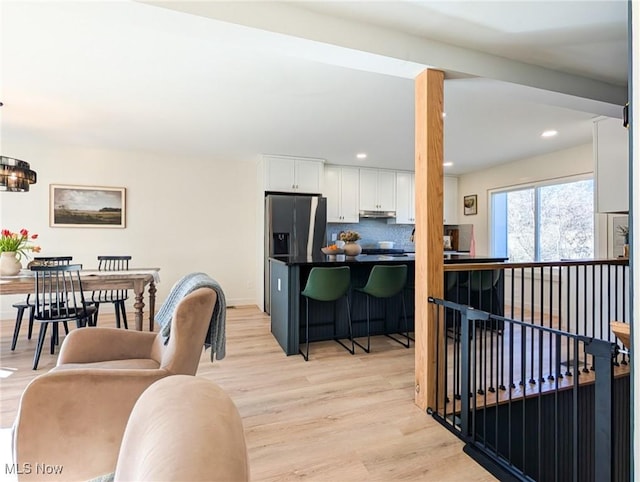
415, 53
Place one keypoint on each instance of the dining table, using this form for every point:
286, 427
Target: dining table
136, 279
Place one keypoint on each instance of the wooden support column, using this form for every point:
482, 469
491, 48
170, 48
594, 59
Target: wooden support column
429, 99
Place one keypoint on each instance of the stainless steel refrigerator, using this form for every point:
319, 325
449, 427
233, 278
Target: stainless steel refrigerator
295, 225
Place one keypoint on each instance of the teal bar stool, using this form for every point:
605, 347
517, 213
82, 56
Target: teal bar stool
328, 284
386, 282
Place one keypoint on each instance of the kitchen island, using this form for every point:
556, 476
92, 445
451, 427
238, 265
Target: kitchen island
288, 276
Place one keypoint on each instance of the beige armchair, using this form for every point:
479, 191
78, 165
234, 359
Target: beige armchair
75, 415
183, 428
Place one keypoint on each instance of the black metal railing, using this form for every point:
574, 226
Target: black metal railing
579, 297
530, 397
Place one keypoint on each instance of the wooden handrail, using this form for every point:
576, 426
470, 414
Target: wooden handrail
622, 331
542, 264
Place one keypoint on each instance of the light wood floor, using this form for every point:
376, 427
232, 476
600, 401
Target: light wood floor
335, 418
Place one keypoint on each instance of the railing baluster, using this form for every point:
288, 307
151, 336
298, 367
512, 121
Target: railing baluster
541, 333
532, 380
465, 361
575, 452
568, 329
556, 417
624, 305
551, 375
585, 367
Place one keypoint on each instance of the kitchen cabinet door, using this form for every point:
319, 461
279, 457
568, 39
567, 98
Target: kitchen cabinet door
288, 174
332, 193
377, 190
611, 156
369, 190
341, 191
280, 174
386, 190
450, 201
405, 198
350, 195
308, 176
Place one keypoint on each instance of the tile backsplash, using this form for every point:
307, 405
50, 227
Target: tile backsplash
374, 230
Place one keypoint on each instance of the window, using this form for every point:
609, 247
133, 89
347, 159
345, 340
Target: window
545, 222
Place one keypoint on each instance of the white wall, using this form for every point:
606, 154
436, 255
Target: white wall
577, 160
183, 215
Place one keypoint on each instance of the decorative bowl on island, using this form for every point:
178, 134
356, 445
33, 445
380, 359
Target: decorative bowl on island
332, 250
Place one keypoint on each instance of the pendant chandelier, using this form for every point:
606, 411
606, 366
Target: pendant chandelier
15, 175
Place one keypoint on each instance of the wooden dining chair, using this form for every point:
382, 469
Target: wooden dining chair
27, 303
58, 299
117, 297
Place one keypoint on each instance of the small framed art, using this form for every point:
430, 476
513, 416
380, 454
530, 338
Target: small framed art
471, 204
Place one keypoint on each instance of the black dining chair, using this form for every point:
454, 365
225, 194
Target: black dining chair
27, 303
117, 297
58, 299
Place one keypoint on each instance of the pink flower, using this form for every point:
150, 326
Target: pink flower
18, 242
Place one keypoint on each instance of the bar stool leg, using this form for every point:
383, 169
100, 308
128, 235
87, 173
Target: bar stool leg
351, 350
406, 327
368, 348
305, 354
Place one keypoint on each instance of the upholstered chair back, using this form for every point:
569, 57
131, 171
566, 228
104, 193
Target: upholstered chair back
181, 353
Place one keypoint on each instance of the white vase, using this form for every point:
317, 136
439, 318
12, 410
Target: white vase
352, 249
9, 264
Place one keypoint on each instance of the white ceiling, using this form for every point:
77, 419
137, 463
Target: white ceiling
134, 76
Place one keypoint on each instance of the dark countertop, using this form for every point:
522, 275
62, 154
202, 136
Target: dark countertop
324, 260
466, 258
321, 259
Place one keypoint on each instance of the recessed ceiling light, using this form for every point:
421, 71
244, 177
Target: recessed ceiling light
549, 133
361, 155
444, 114
447, 164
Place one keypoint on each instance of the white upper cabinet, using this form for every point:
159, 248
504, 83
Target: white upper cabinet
405, 198
450, 201
290, 174
377, 190
342, 193
611, 164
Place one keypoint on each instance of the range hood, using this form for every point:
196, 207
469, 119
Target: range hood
377, 214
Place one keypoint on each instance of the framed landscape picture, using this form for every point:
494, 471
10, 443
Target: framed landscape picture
471, 204
87, 206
